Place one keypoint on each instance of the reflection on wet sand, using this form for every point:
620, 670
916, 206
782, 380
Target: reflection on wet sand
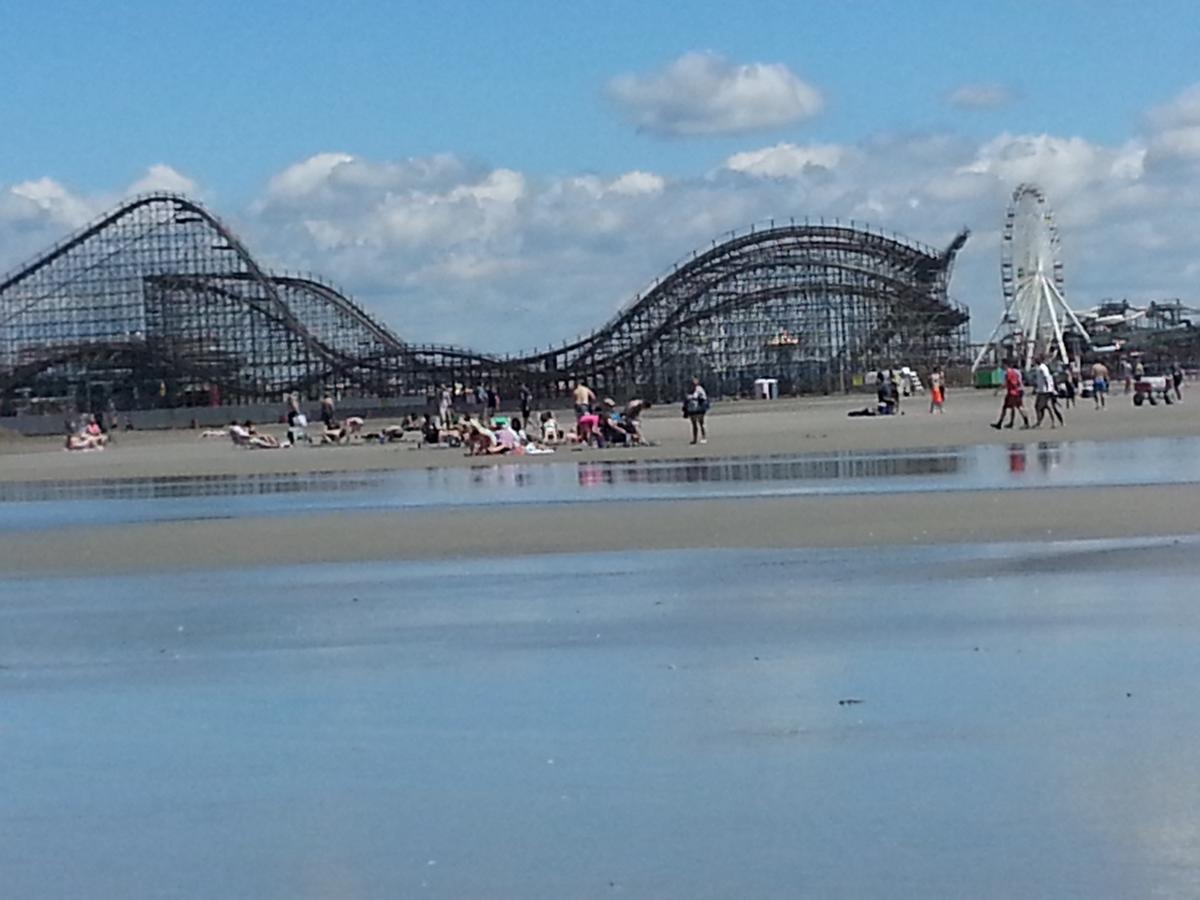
446, 736
984, 467
835, 467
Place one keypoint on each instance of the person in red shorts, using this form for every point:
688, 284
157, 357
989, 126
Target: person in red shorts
1014, 397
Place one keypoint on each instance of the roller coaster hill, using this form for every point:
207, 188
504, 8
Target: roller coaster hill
158, 304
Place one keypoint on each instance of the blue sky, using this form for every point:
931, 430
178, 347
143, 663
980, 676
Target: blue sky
230, 95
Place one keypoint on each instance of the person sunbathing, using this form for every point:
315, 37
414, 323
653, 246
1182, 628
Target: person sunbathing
86, 441
508, 436
480, 441
245, 435
432, 434
337, 434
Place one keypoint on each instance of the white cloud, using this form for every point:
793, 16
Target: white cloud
162, 177
1175, 129
55, 201
304, 178
634, 183
445, 249
1180, 111
786, 160
706, 94
979, 96
1060, 165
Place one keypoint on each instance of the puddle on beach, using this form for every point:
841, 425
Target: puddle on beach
389, 730
1067, 464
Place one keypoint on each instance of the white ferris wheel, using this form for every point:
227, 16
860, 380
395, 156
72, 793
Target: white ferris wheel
1036, 315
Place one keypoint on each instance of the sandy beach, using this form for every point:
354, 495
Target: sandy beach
735, 428
533, 684
474, 534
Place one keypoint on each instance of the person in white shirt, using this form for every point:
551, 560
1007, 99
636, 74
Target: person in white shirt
1047, 395
695, 406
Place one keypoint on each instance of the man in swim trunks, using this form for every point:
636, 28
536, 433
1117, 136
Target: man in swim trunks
583, 397
1014, 397
1099, 383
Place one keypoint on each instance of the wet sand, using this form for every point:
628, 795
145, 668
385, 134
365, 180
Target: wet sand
639, 698
985, 721
736, 429
475, 535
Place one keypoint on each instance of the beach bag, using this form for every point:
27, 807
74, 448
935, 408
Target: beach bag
694, 406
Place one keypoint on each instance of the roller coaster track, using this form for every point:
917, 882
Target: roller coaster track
161, 284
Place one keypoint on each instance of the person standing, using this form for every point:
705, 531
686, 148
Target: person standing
327, 413
695, 407
936, 397
493, 401
894, 381
1099, 383
583, 397
1070, 385
445, 401
526, 403
1014, 397
1127, 375
1177, 379
1046, 395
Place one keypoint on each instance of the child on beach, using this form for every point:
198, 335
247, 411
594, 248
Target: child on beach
936, 396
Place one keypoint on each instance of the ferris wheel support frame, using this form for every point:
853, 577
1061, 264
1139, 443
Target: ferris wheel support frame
1034, 304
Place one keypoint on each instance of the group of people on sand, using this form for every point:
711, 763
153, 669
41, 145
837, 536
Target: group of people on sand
1045, 402
1064, 382
87, 435
599, 422
893, 384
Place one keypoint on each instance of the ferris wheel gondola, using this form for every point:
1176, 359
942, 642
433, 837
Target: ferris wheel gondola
1036, 316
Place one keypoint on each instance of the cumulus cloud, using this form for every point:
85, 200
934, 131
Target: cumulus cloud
706, 94
162, 177
1180, 111
786, 160
448, 249
1060, 165
1175, 129
979, 96
49, 200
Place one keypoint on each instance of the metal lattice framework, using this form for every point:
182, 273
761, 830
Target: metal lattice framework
159, 302
1036, 317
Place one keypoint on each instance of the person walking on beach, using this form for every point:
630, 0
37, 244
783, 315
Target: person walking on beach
1014, 397
695, 406
936, 397
1047, 395
1099, 383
